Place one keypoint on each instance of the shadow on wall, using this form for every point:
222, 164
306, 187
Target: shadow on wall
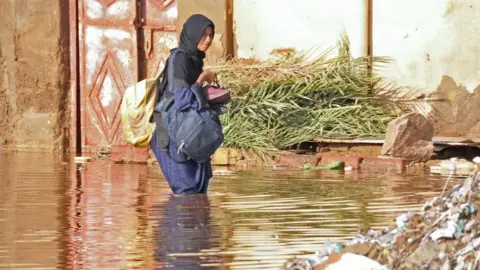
458, 114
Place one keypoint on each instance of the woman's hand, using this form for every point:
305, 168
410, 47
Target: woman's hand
207, 76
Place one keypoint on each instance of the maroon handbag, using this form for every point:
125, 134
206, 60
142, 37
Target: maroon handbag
216, 94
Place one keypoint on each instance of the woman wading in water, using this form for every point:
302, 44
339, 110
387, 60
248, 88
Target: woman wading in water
187, 176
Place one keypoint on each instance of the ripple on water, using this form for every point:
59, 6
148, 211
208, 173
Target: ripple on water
111, 216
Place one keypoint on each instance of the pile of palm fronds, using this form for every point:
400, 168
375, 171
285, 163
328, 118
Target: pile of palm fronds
279, 103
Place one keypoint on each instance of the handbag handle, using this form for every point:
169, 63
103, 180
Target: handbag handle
216, 83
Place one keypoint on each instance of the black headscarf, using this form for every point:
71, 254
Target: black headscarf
192, 64
192, 32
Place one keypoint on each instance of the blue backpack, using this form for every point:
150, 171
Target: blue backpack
193, 134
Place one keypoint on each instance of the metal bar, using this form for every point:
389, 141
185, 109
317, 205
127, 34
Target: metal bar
165, 28
75, 134
369, 40
81, 51
140, 14
369, 28
230, 35
107, 22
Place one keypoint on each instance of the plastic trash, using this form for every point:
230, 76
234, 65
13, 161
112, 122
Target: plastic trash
471, 246
335, 165
447, 232
82, 159
300, 263
353, 261
465, 165
450, 216
459, 228
402, 220
457, 165
388, 238
469, 226
448, 164
222, 172
467, 210
327, 249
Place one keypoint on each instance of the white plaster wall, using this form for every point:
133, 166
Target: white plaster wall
264, 25
429, 39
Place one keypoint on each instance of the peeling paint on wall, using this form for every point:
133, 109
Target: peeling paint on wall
458, 114
106, 92
98, 40
97, 10
433, 38
434, 44
119, 8
172, 13
94, 9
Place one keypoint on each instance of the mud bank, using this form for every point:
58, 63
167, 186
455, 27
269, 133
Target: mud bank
34, 75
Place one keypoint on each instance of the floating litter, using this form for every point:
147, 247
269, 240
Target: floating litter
222, 172
83, 159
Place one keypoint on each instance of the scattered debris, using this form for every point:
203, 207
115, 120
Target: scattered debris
151, 161
454, 166
104, 153
350, 261
222, 172
445, 234
336, 165
83, 159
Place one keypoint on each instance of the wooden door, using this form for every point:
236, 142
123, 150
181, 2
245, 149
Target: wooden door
158, 35
120, 43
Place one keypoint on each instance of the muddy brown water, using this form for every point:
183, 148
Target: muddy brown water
120, 216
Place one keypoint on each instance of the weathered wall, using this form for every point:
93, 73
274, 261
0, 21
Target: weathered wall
435, 46
34, 73
429, 39
217, 11
433, 43
262, 26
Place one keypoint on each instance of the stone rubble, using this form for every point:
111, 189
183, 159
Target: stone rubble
410, 137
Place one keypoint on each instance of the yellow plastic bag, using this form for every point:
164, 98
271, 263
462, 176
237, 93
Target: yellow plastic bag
136, 111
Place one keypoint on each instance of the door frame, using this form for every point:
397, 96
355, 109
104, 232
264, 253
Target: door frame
76, 136
75, 124
76, 121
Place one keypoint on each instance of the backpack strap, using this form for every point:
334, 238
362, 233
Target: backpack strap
167, 99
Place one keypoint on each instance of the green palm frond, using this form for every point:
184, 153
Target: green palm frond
282, 102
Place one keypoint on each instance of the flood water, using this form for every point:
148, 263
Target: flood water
121, 216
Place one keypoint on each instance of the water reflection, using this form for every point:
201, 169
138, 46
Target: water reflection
109, 226
183, 229
112, 216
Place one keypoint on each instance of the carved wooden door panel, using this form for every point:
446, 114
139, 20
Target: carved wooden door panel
120, 43
158, 20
